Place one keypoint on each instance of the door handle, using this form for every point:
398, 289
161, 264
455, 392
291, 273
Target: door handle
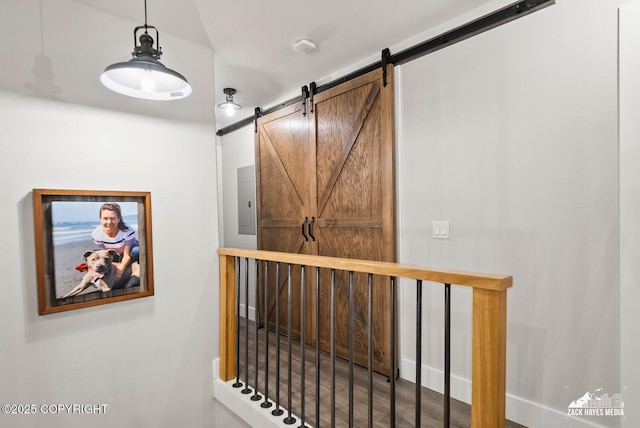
304, 223
313, 220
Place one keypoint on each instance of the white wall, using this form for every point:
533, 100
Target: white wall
630, 208
149, 360
512, 136
237, 151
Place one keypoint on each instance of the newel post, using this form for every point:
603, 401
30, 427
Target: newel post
489, 354
227, 317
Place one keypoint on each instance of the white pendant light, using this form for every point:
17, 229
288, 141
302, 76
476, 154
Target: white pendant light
229, 106
144, 76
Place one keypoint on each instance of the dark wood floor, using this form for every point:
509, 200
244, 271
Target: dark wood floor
432, 403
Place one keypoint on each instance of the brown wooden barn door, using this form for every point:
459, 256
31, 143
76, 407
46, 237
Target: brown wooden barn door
334, 168
283, 198
354, 143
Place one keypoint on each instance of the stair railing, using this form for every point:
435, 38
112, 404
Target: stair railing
489, 311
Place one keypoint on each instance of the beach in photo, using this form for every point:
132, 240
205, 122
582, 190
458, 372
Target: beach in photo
65, 258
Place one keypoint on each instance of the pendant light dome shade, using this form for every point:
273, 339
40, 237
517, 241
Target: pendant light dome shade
144, 76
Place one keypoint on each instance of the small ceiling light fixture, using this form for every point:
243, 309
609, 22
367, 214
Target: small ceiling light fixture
229, 106
144, 76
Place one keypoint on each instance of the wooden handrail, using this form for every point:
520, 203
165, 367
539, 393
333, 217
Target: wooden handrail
489, 342
470, 279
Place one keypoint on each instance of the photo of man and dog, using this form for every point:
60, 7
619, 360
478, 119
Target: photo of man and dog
95, 247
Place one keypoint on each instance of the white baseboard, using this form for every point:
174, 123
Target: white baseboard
519, 410
249, 411
252, 312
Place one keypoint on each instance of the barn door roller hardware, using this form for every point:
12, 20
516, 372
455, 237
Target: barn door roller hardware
256, 114
502, 16
386, 56
312, 92
305, 95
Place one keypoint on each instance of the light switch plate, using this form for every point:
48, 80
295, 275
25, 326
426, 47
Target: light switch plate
441, 229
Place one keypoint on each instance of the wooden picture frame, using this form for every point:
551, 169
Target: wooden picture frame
75, 268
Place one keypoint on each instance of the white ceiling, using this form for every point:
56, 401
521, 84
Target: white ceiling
252, 40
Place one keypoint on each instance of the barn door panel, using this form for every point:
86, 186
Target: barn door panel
355, 219
282, 193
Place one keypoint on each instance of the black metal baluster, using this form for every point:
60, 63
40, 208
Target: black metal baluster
418, 404
246, 389
302, 346
370, 348
289, 419
317, 348
333, 348
237, 383
277, 411
266, 403
447, 354
392, 377
351, 349
256, 396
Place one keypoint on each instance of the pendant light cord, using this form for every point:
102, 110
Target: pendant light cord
145, 16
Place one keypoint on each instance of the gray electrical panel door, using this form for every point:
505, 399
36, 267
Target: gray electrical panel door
246, 201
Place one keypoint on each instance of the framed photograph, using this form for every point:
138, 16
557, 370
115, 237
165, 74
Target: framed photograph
92, 247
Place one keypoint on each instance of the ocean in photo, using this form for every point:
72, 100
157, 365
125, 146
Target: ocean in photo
68, 232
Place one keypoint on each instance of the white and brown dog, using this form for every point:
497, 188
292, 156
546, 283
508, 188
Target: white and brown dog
102, 272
